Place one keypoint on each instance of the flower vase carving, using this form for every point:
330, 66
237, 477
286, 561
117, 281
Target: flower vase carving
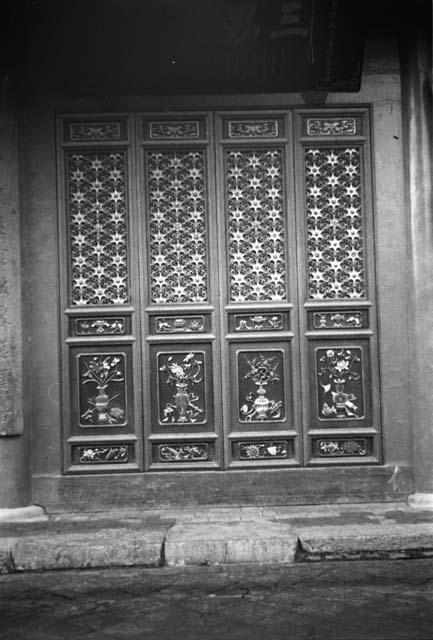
262, 371
103, 372
337, 370
182, 375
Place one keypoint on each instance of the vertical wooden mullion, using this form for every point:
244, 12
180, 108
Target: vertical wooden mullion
135, 273
143, 270
214, 250
294, 262
301, 280
223, 285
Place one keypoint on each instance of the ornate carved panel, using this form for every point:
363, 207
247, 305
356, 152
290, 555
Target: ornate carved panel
180, 324
336, 260
174, 130
342, 447
102, 389
261, 395
94, 131
183, 452
176, 184
97, 203
263, 450
102, 454
102, 326
338, 319
331, 126
258, 322
340, 383
181, 388
256, 228
253, 128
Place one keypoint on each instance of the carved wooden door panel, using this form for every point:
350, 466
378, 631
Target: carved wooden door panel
180, 307
219, 295
260, 350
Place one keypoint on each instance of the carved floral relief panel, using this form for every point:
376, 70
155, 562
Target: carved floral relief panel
182, 388
97, 204
260, 376
256, 225
334, 216
176, 184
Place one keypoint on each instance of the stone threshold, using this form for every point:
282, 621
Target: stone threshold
217, 536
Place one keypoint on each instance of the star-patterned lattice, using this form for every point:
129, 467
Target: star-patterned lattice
255, 225
334, 223
97, 228
178, 236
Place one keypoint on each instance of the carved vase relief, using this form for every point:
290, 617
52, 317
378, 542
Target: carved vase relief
97, 228
334, 223
102, 389
183, 374
257, 372
177, 225
257, 271
340, 391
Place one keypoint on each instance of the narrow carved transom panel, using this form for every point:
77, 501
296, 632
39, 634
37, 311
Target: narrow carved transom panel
185, 452
181, 388
178, 236
263, 450
334, 223
103, 454
339, 447
340, 384
261, 386
256, 225
97, 228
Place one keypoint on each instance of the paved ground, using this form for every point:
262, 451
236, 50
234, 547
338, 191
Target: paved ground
364, 600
